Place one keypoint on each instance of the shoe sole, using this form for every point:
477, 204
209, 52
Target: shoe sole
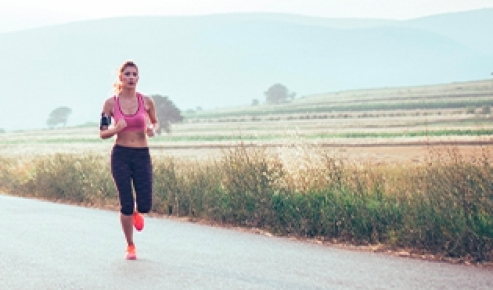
139, 226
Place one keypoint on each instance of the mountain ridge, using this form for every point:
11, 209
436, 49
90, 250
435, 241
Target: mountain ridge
227, 60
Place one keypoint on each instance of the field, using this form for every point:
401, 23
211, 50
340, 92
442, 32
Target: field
378, 150
396, 168
381, 125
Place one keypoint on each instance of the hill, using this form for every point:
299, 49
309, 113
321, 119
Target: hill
228, 60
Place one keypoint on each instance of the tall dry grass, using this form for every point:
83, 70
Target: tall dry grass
442, 206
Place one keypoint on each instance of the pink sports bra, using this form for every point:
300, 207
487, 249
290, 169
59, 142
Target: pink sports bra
136, 121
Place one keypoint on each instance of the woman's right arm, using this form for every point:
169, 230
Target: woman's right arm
105, 131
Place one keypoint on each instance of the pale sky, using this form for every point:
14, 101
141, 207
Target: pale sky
40, 12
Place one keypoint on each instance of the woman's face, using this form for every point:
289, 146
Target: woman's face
129, 77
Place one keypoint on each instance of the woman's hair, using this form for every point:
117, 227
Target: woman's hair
117, 86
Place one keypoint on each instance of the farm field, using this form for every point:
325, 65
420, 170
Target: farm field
381, 125
188, 141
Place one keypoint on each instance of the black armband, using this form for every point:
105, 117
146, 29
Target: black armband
105, 121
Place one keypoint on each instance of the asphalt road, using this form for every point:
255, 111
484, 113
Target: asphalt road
53, 246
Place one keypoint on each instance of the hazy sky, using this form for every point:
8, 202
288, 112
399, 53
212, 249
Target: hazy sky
39, 12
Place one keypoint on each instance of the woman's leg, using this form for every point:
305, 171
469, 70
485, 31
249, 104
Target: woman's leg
142, 179
128, 228
122, 175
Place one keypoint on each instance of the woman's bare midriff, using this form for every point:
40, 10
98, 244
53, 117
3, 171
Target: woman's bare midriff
132, 139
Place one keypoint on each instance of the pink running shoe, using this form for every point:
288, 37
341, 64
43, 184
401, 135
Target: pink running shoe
138, 221
131, 254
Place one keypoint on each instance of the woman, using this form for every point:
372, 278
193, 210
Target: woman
134, 120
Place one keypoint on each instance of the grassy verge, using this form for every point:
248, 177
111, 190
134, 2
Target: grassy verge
442, 207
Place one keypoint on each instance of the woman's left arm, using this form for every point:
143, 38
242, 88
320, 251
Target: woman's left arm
151, 112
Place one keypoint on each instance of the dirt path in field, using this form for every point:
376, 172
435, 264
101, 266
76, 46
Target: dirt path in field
414, 154
375, 153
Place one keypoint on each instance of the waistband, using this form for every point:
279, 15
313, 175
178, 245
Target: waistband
120, 147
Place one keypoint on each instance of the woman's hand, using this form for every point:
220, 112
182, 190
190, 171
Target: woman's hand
108, 133
120, 125
150, 132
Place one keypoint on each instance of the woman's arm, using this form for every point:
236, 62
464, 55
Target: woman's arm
151, 112
106, 131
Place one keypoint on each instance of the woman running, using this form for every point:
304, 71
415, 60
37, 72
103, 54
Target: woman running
134, 121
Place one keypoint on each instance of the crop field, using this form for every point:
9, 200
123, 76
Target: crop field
383, 125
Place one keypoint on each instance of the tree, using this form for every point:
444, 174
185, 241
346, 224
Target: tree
167, 113
255, 102
291, 96
58, 116
278, 93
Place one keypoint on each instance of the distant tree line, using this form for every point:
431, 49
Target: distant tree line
166, 111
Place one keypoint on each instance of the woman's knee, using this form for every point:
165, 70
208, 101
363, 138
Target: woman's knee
127, 209
144, 207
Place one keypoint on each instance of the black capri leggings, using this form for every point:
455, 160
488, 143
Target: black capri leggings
132, 165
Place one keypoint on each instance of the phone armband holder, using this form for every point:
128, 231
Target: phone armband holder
105, 121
